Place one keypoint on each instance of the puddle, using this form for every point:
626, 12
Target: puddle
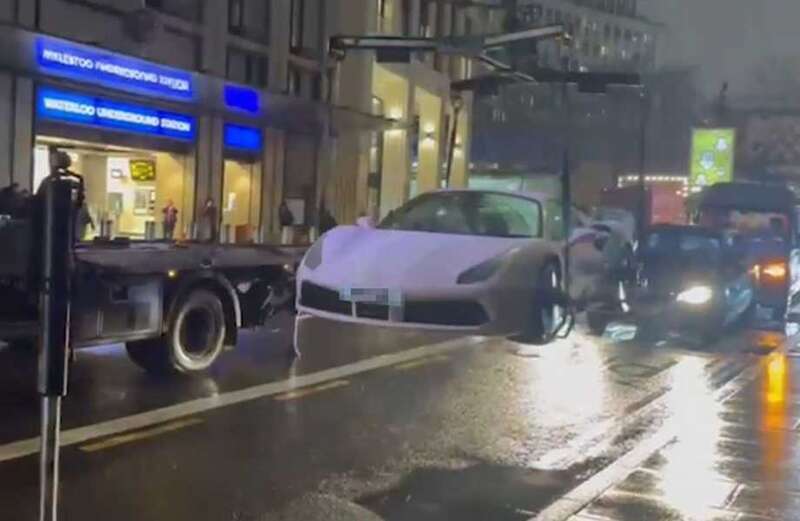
478, 492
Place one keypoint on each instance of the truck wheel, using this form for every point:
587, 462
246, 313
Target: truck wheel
194, 339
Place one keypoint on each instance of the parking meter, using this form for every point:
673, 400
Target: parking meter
57, 200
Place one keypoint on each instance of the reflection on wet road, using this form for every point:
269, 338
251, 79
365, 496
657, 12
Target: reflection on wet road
401, 426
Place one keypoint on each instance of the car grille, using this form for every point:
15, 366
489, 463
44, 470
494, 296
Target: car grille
374, 311
445, 312
324, 299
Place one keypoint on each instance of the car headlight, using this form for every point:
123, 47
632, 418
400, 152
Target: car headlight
480, 272
696, 295
313, 256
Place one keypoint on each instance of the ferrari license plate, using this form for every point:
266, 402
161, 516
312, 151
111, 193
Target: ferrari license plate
387, 297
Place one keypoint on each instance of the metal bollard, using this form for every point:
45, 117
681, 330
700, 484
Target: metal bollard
106, 226
150, 230
226, 234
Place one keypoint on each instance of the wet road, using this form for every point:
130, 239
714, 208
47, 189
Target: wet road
374, 424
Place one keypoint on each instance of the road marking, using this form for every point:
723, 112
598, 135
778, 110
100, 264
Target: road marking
26, 447
140, 435
420, 363
575, 500
307, 391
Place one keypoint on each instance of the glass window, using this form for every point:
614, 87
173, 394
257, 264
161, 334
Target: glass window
468, 213
190, 10
555, 220
250, 19
247, 67
129, 191
241, 199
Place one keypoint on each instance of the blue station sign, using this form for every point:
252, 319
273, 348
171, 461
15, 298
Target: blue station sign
59, 105
80, 63
242, 98
248, 139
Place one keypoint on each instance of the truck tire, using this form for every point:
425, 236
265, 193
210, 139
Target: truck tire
194, 339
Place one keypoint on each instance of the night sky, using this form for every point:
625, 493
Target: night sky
727, 39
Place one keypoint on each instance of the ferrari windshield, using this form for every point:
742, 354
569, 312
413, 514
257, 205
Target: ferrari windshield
468, 213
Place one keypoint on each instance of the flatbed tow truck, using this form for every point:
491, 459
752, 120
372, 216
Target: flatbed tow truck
174, 305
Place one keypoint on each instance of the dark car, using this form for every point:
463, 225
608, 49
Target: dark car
765, 217
689, 279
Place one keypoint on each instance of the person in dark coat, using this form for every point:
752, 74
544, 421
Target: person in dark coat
285, 216
170, 219
211, 219
326, 220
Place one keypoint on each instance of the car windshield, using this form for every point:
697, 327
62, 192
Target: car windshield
746, 222
468, 213
683, 245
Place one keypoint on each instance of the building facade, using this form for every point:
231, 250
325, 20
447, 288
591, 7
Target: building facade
413, 157
521, 131
216, 108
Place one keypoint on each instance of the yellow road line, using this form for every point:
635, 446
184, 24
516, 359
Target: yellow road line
422, 362
140, 435
306, 391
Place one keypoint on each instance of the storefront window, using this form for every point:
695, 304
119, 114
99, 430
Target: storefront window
241, 200
127, 189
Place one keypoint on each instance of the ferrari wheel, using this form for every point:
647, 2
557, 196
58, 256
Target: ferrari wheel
546, 316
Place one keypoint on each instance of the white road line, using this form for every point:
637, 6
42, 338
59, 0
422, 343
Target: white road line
21, 448
575, 500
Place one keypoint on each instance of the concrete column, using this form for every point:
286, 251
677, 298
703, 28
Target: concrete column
215, 38
430, 158
26, 13
23, 137
203, 162
6, 127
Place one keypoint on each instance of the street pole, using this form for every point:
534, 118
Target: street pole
458, 103
566, 179
325, 155
644, 120
56, 232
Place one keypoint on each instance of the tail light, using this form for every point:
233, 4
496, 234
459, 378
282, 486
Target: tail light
771, 271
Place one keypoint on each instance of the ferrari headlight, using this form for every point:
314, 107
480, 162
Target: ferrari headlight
696, 295
314, 256
480, 272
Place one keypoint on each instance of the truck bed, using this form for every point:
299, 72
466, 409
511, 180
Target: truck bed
143, 258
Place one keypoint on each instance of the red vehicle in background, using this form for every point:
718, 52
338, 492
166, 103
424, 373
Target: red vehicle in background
663, 202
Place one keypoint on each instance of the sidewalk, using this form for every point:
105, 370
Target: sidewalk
739, 461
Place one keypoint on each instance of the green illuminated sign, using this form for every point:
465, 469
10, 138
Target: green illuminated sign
712, 156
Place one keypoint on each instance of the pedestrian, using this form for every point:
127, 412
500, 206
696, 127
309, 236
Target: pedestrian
285, 215
286, 220
8, 199
170, 219
83, 221
210, 218
326, 220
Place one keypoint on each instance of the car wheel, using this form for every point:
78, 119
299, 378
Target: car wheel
545, 315
194, 339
